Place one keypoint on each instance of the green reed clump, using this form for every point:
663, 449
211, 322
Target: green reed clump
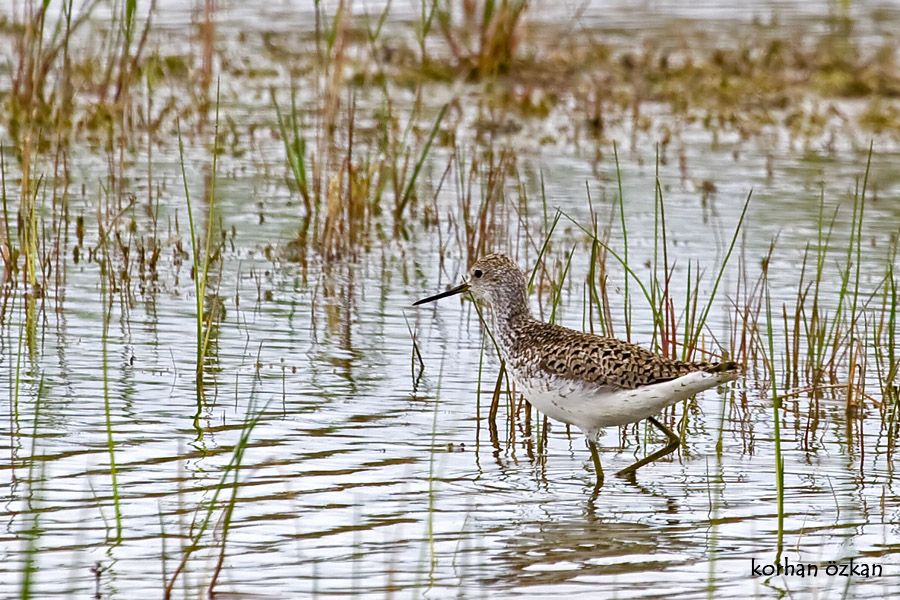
831, 349
343, 175
597, 277
206, 317
294, 148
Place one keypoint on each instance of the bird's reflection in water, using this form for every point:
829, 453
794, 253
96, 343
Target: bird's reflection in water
558, 551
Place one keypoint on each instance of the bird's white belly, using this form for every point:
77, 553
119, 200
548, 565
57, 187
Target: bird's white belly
591, 407
588, 407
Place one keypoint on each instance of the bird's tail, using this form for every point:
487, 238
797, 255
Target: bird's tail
726, 367
673, 369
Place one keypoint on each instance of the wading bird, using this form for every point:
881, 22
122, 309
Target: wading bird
578, 378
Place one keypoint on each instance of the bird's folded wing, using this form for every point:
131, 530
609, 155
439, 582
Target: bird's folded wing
605, 361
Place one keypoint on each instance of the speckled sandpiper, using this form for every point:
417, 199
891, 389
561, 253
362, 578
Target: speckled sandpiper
578, 378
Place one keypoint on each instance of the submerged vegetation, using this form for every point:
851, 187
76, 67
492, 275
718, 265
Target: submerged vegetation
167, 174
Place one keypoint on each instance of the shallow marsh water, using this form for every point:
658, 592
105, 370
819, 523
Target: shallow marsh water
363, 478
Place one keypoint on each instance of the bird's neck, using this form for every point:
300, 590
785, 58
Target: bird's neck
508, 319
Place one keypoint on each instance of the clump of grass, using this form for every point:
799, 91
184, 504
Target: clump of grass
204, 319
46, 73
295, 149
485, 41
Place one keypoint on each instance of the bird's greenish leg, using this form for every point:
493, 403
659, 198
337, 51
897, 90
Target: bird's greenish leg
595, 456
674, 442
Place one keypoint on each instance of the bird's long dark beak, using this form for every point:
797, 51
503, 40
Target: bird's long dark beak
451, 292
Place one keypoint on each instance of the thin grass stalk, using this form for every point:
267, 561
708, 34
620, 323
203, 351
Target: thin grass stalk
654, 284
692, 320
407, 193
890, 390
195, 261
692, 343
892, 333
854, 315
34, 429
776, 411
162, 540
110, 442
30, 243
374, 34
818, 324
792, 354
495, 397
478, 393
127, 35
665, 300
426, 19
233, 465
210, 220
692, 296
431, 478
594, 294
537, 263
544, 200
627, 306
226, 527
14, 391
834, 332
415, 355
31, 547
200, 272
31, 551
557, 295
9, 253
625, 266
591, 281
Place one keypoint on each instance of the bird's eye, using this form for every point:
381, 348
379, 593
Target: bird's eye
477, 273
